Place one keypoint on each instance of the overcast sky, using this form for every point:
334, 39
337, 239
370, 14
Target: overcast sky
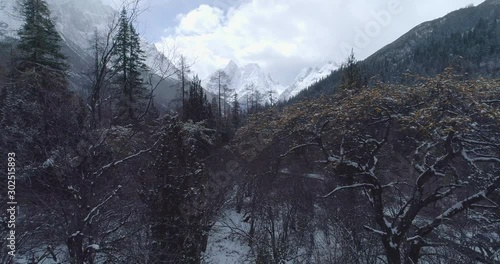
283, 36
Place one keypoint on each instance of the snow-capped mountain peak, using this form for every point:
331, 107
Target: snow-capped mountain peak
231, 68
307, 77
242, 80
251, 67
251, 76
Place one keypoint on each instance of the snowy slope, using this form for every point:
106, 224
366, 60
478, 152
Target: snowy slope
241, 78
9, 21
307, 77
76, 20
224, 245
252, 74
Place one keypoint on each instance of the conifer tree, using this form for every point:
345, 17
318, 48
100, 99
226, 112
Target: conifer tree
122, 41
197, 106
351, 78
137, 91
39, 40
236, 112
137, 57
129, 62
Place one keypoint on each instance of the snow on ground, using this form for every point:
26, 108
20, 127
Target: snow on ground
42, 255
225, 246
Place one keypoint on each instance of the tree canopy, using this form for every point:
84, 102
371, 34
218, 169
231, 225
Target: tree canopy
408, 160
39, 40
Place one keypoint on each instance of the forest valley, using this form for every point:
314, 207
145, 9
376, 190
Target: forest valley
387, 173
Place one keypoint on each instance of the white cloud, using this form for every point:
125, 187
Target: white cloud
285, 36
202, 20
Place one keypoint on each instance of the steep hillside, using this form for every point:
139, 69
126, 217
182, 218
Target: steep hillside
77, 22
467, 40
306, 78
385, 164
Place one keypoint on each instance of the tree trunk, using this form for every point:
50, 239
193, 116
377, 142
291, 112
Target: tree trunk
414, 255
159, 248
75, 249
392, 251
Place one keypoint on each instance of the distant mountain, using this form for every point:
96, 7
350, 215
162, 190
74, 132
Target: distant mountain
306, 78
252, 74
77, 22
72, 24
240, 79
9, 22
467, 39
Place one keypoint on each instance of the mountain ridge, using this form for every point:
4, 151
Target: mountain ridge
241, 79
77, 22
307, 77
466, 39
265, 82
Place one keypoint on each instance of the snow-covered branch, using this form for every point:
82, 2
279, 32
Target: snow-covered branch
96, 208
101, 171
459, 207
378, 232
299, 147
354, 186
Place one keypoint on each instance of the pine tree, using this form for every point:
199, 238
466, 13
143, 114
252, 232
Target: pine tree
39, 40
351, 78
128, 64
137, 91
236, 112
122, 43
197, 106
